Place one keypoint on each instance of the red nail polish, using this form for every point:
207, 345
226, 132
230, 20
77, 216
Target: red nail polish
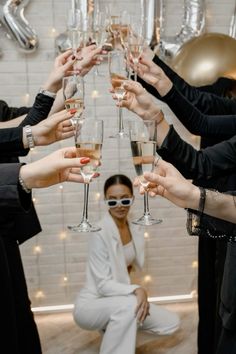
73, 111
85, 160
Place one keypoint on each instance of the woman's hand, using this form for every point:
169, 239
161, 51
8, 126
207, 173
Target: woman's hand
142, 309
168, 182
138, 100
88, 57
62, 64
152, 74
56, 127
60, 166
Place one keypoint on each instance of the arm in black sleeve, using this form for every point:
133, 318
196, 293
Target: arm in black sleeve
12, 197
11, 142
211, 126
214, 161
9, 113
39, 111
206, 102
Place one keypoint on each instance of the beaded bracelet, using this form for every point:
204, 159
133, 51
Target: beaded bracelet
23, 185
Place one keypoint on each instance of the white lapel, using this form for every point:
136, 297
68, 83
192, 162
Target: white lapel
115, 249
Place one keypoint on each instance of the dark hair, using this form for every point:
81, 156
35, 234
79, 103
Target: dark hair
118, 179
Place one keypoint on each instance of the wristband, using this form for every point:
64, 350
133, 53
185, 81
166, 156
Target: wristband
29, 136
47, 93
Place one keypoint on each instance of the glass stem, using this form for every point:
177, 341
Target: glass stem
120, 121
146, 204
85, 208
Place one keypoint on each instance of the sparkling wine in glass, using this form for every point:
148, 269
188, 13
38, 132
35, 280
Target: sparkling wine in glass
73, 92
88, 142
143, 147
118, 74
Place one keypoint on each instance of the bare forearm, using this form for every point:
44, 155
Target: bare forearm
12, 123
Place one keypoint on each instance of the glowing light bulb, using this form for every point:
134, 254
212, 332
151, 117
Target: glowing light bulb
65, 279
34, 200
98, 195
147, 278
146, 234
53, 30
37, 249
95, 94
63, 235
39, 294
61, 186
194, 264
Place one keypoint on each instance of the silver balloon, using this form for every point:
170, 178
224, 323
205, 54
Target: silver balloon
15, 24
193, 25
87, 7
151, 12
232, 27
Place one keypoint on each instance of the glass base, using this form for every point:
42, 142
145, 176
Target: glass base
119, 135
147, 220
84, 226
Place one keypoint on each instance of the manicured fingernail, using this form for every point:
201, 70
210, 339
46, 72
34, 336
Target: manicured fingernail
73, 111
85, 160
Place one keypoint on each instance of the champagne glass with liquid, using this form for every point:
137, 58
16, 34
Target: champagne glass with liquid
88, 141
73, 92
118, 74
143, 147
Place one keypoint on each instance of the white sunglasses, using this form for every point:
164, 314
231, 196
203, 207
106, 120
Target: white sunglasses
113, 203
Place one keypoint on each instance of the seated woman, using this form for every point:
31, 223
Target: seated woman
109, 302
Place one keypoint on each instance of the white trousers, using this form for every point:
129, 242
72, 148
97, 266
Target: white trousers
116, 315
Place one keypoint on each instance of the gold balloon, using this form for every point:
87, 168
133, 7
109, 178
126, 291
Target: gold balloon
202, 60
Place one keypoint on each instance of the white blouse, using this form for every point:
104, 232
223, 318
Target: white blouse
129, 252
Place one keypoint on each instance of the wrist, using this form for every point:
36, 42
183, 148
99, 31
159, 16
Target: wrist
24, 179
194, 198
48, 91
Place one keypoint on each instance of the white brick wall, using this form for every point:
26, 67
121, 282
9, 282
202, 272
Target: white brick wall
169, 251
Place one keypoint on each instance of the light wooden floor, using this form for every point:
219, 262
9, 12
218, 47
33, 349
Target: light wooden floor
60, 335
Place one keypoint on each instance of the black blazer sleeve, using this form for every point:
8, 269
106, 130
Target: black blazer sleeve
8, 113
11, 142
39, 111
12, 197
221, 127
214, 161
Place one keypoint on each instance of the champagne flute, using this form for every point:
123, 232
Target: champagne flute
99, 32
143, 147
73, 92
118, 74
88, 141
136, 42
74, 19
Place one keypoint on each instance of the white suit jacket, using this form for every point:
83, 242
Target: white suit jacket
107, 273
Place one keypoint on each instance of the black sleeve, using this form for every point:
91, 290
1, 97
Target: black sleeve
39, 111
9, 113
222, 127
12, 197
214, 161
11, 143
206, 102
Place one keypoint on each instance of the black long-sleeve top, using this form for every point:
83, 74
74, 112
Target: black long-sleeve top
23, 225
